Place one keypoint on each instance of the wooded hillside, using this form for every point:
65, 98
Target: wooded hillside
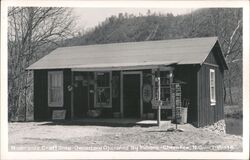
224, 23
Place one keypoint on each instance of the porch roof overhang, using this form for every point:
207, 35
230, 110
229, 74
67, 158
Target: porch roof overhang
166, 65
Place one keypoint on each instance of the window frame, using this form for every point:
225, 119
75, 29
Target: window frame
60, 103
212, 87
100, 105
163, 86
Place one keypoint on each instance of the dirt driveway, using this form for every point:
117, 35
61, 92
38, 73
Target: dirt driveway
44, 136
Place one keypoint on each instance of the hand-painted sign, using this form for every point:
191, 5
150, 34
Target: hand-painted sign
147, 93
176, 99
115, 86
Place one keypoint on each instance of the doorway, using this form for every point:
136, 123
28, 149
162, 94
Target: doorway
131, 96
81, 94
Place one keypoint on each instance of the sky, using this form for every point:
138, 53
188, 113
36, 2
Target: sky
90, 17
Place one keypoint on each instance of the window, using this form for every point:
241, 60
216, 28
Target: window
212, 87
103, 89
55, 88
165, 87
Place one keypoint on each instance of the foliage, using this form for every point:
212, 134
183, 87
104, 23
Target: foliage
32, 32
225, 23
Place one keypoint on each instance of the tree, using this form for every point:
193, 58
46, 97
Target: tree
227, 26
31, 31
225, 23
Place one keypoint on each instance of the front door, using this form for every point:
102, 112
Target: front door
131, 95
80, 100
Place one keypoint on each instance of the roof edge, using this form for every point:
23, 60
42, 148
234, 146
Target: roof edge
209, 51
224, 63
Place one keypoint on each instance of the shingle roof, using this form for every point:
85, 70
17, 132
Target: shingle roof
129, 54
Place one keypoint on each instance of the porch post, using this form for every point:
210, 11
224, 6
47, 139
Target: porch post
72, 96
121, 94
159, 97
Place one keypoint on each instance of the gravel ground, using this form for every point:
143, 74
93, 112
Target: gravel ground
40, 136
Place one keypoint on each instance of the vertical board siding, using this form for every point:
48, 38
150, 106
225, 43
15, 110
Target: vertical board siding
187, 74
207, 113
67, 93
91, 87
41, 109
116, 99
200, 112
40, 95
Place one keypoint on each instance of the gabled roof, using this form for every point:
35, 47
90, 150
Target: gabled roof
129, 55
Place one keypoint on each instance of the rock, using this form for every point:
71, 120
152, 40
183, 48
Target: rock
218, 127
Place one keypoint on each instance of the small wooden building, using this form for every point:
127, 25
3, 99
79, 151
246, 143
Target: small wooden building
117, 80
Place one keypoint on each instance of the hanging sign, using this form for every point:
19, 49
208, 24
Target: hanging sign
176, 97
147, 93
115, 86
70, 88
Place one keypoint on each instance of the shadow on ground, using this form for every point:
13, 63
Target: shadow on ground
97, 123
168, 130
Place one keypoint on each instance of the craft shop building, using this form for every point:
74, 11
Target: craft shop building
118, 80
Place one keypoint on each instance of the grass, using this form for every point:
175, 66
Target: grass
237, 95
233, 111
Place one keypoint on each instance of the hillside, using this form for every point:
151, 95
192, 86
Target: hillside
23, 50
224, 23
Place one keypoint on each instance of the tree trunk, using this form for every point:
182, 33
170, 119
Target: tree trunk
25, 98
230, 87
225, 92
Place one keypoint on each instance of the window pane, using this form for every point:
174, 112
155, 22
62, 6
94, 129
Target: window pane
213, 93
212, 79
60, 79
165, 94
212, 85
55, 88
103, 79
50, 80
165, 86
56, 80
53, 95
103, 96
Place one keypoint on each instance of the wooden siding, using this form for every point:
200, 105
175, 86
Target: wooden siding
147, 79
200, 112
207, 113
67, 93
41, 109
116, 100
40, 95
187, 74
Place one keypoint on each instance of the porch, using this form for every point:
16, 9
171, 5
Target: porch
111, 122
121, 94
